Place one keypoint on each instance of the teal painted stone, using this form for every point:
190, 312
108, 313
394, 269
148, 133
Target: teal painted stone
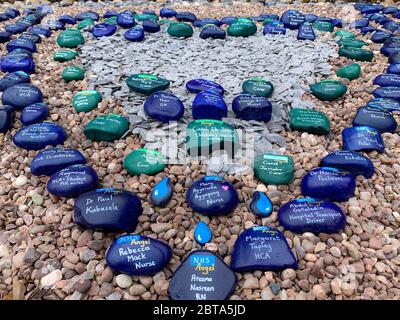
324, 26
328, 90
146, 83
86, 100
180, 30
274, 169
144, 161
242, 28
65, 55
358, 54
108, 127
258, 87
351, 71
72, 73
308, 120
351, 42
87, 23
70, 38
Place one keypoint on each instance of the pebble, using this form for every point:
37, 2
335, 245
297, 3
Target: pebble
123, 281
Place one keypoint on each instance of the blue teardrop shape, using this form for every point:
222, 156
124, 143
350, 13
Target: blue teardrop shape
261, 205
161, 193
202, 233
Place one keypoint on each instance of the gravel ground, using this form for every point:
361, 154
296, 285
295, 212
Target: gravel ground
44, 255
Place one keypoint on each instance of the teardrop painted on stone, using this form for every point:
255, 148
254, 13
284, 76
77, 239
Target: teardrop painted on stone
161, 193
261, 205
202, 233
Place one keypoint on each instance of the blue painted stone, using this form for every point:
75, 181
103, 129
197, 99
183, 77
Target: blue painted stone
87, 15
212, 196
350, 161
229, 20
375, 117
164, 107
31, 36
261, 205
49, 161
394, 68
387, 92
103, 30
3, 17
262, 248
39, 135
21, 43
151, 26
311, 215
108, 209
186, 17
12, 13
209, 105
309, 17
34, 113
162, 192
198, 85
202, 276
292, 19
202, 233
358, 24
212, 31
6, 118
387, 80
306, 32
14, 63
370, 9
4, 36
393, 41
18, 53
380, 36
390, 10
167, 13
40, 31
54, 25
72, 181
359, 5
16, 28
387, 104
388, 50
138, 255
274, 27
134, 34
110, 13
13, 78
328, 183
126, 20
67, 19
22, 95
45, 9
202, 22
367, 30
248, 107
394, 58
338, 23
363, 138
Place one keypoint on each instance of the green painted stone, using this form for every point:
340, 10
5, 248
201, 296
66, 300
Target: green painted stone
86, 23
64, 55
324, 26
351, 71
357, 54
351, 42
111, 20
146, 16
242, 28
180, 30
204, 136
274, 169
165, 21
146, 83
71, 73
86, 100
108, 127
258, 87
308, 120
70, 38
344, 34
144, 161
328, 90
267, 20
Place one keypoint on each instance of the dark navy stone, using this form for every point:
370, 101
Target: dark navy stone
167, 13
359, 5
248, 107
229, 20
202, 22
363, 138
21, 43
367, 30
328, 183
134, 34
39, 135
209, 105
16, 28
110, 13
309, 17
138, 255
186, 17
375, 117
394, 68
262, 248
164, 107
103, 30
4, 17
311, 215
358, 24
212, 196
22, 95
395, 58
370, 9
72, 181
126, 20
306, 32
393, 41
6, 118
274, 27
108, 209
390, 10
261, 205
40, 31
350, 161
391, 26
202, 233
34, 113
31, 36
212, 31
198, 85
151, 26
202, 276
292, 19
385, 103
13, 78
387, 92
12, 13
13, 64
4, 36
161, 193
338, 23
67, 19
387, 80
380, 36
87, 15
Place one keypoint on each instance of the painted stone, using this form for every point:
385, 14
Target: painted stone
4, 36
49, 161
202, 276
308, 120
387, 80
21, 95
344, 34
86, 100
262, 248
16, 28
363, 138
394, 68
21, 44
180, 30
72, 73
351, 71
108, 209
323, 26
126, 20
111, 20
85, 24
186, 17
87, 15
242, 28
388, 50
356, 53
144, 161
328, 183
145, 16
387, 92
135, 34
292, 19
151, 26
34, 113
261, 205
167, 13
202, 233
198, 85
161, 193
212, 196
210, 21
18, 61
258, 87
31, 37
110, 13
164, 107
13, 78
70, 38
209, 105
351, 42
248, 107
375, 117
146, 83
366, 30
328, 90
212, 31
380, 36
229, 20
350, 161
67, 19
306, 32
6, 118
103, 30
64, 55
274, 169
108, 127
385, 103
358, 24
